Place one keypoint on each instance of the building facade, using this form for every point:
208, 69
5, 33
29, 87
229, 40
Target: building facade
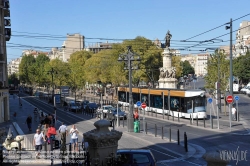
73, 43
201, 64
13, 66
5, 36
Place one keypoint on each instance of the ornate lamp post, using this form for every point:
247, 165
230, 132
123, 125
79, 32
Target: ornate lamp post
128, 58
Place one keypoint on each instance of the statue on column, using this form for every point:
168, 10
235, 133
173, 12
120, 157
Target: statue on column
167, 39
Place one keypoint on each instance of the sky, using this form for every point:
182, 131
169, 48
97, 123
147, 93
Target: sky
43, 24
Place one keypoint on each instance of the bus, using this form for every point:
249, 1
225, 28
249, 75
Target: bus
174, 102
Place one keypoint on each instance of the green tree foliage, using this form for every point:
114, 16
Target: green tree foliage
212, 69
176, 62
13, 78
26, 69
76, 76
241, 67
38, 69
187, 68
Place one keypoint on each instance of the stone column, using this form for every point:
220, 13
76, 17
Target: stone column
103, 143
167, 58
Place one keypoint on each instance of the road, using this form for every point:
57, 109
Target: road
203, 139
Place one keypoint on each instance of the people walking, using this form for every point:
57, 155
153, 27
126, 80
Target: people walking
74, 137
234, 113
63, 133
29, 122
51, 133
35, 114
14, 115
38, 142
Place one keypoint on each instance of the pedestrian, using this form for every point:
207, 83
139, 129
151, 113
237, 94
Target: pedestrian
50, 119
46, 121
38, 142
51, 133
14, 115
42, 118
234, 113
63, 133
136, 115
35, 114
74, 137
29, 122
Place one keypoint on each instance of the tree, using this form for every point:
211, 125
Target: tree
38, 69
218, 59
26, 69
241, 67
187, 68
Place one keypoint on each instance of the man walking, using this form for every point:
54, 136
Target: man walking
74, 137
29, 122
234, 113
38, 142
35, 114
63, 132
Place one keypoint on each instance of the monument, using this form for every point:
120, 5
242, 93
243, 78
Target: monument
167, 72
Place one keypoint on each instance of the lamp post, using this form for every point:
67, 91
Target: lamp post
52, 72
230, 26
63, 48
128, 58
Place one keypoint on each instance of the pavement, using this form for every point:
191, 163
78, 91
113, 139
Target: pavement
174, 154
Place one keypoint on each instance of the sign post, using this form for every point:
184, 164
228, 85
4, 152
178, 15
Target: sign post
237, 98
230, 101
210, 100
144, 105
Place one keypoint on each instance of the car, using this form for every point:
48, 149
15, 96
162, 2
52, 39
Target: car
92, 106
243, 90
136, 157
74, 106
105, 109
84, 104
121, 114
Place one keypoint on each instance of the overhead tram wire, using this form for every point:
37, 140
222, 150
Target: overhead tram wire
217, 27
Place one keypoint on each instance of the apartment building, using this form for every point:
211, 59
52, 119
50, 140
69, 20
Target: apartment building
13, 66
201, 64
242, 37
99, 47
73, 43
5, 32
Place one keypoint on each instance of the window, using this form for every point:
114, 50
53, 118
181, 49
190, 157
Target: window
140, 158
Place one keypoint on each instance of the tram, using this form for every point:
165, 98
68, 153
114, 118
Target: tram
174, 102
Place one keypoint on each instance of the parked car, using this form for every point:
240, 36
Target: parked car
74, 106
136, 157
84, 104
243, 90
93, 106
105, 109
121, 114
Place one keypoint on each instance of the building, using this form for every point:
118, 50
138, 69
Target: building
56, 53
73, 43
201, 64
99, 47
242, 37
5, 32
13, 66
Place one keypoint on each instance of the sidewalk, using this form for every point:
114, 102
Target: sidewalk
176, 153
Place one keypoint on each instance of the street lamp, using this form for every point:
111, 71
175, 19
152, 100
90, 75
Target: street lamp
63, 48
230, 26
128, 58
52, 72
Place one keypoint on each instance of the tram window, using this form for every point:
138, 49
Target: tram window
174, 103
144, 98
122, 96
156, 101
199, 102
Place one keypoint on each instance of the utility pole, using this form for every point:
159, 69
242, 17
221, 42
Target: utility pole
231, 68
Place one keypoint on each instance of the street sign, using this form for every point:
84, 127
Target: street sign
65, 90
236, 98
57, 98
138, 103
230, 99
143, 105
210, 100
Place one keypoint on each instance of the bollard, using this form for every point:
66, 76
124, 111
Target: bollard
185, 142
162, 134
173, 116
113, 124
45, 149
148, 113
170, 134
204, 122
190, 119
178, 137
51, 151
196, 120
155, 130
123, 121
146, 128
178, 117
212, 123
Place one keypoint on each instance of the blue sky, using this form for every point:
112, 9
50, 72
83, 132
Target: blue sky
120, 19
